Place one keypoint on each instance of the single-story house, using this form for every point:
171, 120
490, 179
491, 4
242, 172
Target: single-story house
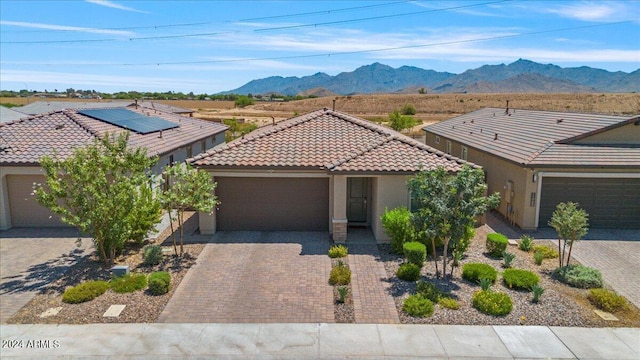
23, 142
537, 159
41, 107
322, 171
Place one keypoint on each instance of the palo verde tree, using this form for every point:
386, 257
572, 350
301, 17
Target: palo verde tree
448, 205
571, 224
399, 122
188, 188
102, 189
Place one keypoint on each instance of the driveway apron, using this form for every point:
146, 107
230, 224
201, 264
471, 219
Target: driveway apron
257, 277
30, 259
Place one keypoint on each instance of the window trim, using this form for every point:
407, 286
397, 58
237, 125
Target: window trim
464, 152
448, 149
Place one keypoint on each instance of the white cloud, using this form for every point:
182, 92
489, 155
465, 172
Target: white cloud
113, 5
591, 11
65, 28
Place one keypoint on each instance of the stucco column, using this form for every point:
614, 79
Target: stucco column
339, 220
207, 221
5, 215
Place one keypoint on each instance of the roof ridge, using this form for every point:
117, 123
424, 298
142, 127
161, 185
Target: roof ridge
71, 115
539, 152
361, 122
369, 148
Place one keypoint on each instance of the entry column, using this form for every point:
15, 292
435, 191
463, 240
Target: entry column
339, 220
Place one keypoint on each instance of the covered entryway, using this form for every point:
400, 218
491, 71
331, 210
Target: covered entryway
272, 204
24, 210
358, 201
610, 202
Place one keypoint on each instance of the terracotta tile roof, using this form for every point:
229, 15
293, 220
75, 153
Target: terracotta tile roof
26, 140
536, 137
327, 140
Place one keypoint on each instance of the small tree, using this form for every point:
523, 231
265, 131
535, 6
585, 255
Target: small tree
449, 203
102, 189
243, 101
399, 122
571, 224
188, 188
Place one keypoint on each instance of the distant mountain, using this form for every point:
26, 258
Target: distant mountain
520, 76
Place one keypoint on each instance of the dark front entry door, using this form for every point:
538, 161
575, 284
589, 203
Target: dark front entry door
357, 192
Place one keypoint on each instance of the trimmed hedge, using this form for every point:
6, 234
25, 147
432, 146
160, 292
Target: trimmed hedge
338, 251
417, 306
415, 252
476, 271
408, 272
159, 283
579, 276
128, 283
496, 244
520, 279
607, 300
85, 292
492, 303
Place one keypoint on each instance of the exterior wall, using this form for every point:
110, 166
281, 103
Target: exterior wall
628, 134
180, 154
388, 191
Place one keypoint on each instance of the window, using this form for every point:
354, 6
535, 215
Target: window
203, 144
189, 151
437, 139
463, 153
170, 160
448, 147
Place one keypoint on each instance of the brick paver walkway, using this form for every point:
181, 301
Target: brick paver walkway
257, 277
30, 259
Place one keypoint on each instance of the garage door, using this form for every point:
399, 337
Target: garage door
610, 203
265, 204
25, 211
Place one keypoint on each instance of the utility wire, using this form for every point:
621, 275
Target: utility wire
259, 30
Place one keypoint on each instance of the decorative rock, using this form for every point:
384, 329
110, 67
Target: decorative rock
513, 242
114, 311
605, 315
51, 312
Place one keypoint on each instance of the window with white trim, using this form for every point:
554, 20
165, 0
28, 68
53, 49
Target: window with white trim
463, 153
448, 147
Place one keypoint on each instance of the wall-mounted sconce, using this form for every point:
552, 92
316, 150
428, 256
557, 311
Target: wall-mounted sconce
535, 177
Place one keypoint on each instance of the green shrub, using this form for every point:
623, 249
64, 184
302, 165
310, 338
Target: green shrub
492, 303
537, 291
429, 291
449, 303
538, 257
408, 109
159, 283
398, 226
417, 306
508, 258
548, 251
496, 244
338, 251
476, 271
408, 272
415, 252
520, 279
485, 284
85, 292
152, 255
579, 276
526, 243
340, 275
128, 283
607, 300
343, 291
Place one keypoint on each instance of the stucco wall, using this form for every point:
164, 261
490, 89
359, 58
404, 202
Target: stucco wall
628, 134
388, 191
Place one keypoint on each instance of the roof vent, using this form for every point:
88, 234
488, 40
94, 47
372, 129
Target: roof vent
506, 111
472, 121
559, 121
59, 126
495, 137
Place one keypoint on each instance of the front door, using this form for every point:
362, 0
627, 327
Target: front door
357, 191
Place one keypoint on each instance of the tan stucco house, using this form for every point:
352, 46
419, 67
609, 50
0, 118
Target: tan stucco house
322, 171
537, 159
23, 142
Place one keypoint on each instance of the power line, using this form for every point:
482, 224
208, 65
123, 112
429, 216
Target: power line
343, 52
258, 30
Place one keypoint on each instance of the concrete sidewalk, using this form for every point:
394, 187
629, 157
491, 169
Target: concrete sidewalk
317, 341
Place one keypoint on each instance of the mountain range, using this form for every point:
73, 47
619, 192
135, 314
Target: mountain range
522, 76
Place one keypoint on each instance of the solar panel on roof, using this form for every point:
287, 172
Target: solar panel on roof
130, 120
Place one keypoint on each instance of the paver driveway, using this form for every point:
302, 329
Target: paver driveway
257, 277
32, 258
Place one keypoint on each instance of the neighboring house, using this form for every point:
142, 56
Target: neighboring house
43, 107
322, 171
166, 108
537, 159
7, 114
25, 141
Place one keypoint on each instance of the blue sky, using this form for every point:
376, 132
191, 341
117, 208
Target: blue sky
213, 46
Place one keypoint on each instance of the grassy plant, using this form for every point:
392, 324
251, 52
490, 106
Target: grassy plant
343, 291
408, 272
485, 284
492, 303
537, 291
338, 251
508, 258
476, 271
526, 243
128, 283
607, 300
449, 303
85, 292
538, 257
520, 279
340, 275
418, 306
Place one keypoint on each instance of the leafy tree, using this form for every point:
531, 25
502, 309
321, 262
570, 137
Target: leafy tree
399, 122
102, 189
408, 109
571, 224
243, 101
237, 129
188, 188
448, 205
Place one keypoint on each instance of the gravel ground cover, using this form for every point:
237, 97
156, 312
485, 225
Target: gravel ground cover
560, 304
